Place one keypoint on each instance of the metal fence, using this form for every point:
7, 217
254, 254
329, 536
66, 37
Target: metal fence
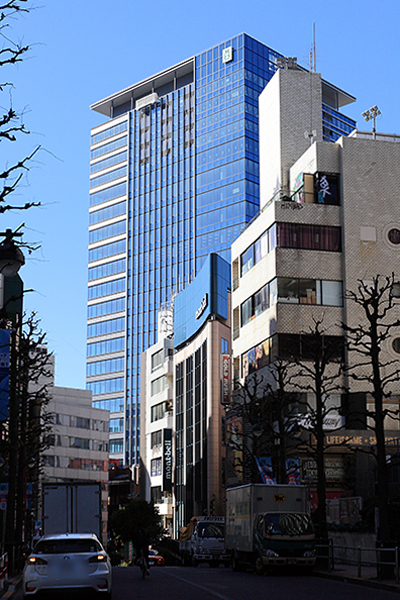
383, 560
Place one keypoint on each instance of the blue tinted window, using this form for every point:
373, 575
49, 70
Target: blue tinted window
107, 133
106, 308
114, 145
107, 250
116, 425
106, 346
109, 212
105, 327
113, 404
108, 194
116, 446
101, 233
105, 289
106, 177
110, 268
108, 162
106, 386
101, 367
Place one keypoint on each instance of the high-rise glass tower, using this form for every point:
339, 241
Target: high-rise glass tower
174, 176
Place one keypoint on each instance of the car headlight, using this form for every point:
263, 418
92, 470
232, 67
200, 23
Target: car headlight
271, 554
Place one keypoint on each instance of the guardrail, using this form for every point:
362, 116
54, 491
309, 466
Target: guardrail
383, 559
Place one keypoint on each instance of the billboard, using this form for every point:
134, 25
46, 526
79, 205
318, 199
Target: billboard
264, 464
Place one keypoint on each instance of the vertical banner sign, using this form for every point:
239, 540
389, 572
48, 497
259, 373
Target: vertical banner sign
225, 378
4, 372
265, 467
167, 461
234, 450
293, 471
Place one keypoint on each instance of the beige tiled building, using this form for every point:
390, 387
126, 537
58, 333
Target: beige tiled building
330, 216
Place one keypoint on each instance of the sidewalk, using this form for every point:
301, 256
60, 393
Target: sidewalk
12, 586
349, 573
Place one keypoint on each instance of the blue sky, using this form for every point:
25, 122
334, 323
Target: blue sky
85, 50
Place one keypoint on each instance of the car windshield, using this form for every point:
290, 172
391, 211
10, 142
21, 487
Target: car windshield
287, 524
67, 546
211, 530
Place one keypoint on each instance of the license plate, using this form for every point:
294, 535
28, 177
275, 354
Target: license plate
292, 561
151, 562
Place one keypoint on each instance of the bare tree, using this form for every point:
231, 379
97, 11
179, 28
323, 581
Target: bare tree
319, 377
11, 122
28, 423
266, 407
35, 422
378, 375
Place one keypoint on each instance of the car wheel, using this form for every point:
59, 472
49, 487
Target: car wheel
235, 563
195, 563
258, 566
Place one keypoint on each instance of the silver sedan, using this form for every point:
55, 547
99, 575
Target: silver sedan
67, 561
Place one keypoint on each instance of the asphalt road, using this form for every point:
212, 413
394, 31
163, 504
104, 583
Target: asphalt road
204, 583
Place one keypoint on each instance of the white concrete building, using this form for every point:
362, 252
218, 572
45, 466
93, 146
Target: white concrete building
79, 450
157, 423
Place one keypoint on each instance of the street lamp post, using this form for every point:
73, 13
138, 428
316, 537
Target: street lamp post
11, 259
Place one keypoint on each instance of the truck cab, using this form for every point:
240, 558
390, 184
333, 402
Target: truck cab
206, 542
284, 538
269, 526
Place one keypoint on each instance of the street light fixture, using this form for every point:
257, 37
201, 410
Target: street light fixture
256, 430
11, 257
372, 113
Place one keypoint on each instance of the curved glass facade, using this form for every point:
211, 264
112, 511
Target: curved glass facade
206, 295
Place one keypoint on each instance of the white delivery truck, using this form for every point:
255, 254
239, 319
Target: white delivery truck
203, 541
73, 507
269, 526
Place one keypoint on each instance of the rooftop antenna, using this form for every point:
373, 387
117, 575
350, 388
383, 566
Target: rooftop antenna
312, 133
314, 66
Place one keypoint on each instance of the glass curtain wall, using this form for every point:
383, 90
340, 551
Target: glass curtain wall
227, 177
161, 222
